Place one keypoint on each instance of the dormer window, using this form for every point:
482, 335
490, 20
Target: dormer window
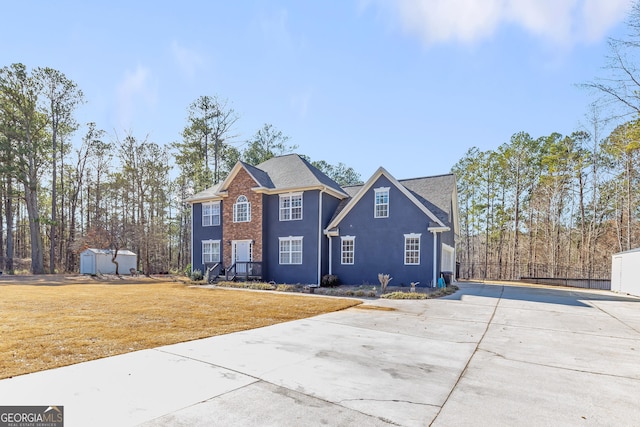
242, 210
381, 206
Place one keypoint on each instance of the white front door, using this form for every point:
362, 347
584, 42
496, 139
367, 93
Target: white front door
241, 252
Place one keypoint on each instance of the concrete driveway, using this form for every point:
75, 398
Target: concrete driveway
487, 355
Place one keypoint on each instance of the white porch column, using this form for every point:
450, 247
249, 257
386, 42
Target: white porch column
435, 258
435, 231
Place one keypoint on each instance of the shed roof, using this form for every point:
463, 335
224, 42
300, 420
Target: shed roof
627, 252
109, 251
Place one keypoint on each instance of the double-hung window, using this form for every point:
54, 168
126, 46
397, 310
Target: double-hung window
291, 250
242, 210
290, 206
412, 249
348, 249
381, 208
210, 214
210, 251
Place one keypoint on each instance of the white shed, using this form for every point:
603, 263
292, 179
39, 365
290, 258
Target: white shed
625, 272
98, 261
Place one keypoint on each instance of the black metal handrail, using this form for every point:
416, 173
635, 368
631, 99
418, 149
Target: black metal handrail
248, 270
231, 271
213, 272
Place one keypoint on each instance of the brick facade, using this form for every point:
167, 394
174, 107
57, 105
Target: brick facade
241, 186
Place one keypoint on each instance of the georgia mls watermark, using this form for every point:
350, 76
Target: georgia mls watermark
31, 416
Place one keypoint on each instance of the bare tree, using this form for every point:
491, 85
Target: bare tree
621, 87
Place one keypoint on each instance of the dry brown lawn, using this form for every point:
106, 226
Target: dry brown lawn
43, 325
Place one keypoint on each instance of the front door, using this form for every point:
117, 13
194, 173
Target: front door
241, 253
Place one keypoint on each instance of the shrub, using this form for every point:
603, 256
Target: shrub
329, 280
451, 289
261, 286
196, 275
288, 288
404, 295
187, 270
419, 295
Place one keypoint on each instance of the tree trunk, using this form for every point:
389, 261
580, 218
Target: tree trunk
37, 260
113, 260
54, 207
8, 212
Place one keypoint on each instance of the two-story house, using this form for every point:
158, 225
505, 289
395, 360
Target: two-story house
285, 221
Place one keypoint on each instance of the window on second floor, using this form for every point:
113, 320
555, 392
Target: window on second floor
381, 208
242, 210
210, 251
290, 206
210, 214
348, 249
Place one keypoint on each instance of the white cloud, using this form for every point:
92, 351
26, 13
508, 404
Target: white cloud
136, 86
564, 22
188, 60
599, 15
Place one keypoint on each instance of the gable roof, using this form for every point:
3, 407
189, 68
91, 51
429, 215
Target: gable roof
277, 175
434, 196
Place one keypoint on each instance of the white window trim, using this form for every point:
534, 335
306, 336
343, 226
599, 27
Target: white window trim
412, 236
353, 252
235, 209
375, 204
211, 216
290, 208
289, 239
219, 250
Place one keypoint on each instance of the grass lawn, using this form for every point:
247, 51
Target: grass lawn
47, 326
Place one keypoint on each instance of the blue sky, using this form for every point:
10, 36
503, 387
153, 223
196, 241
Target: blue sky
409, 85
